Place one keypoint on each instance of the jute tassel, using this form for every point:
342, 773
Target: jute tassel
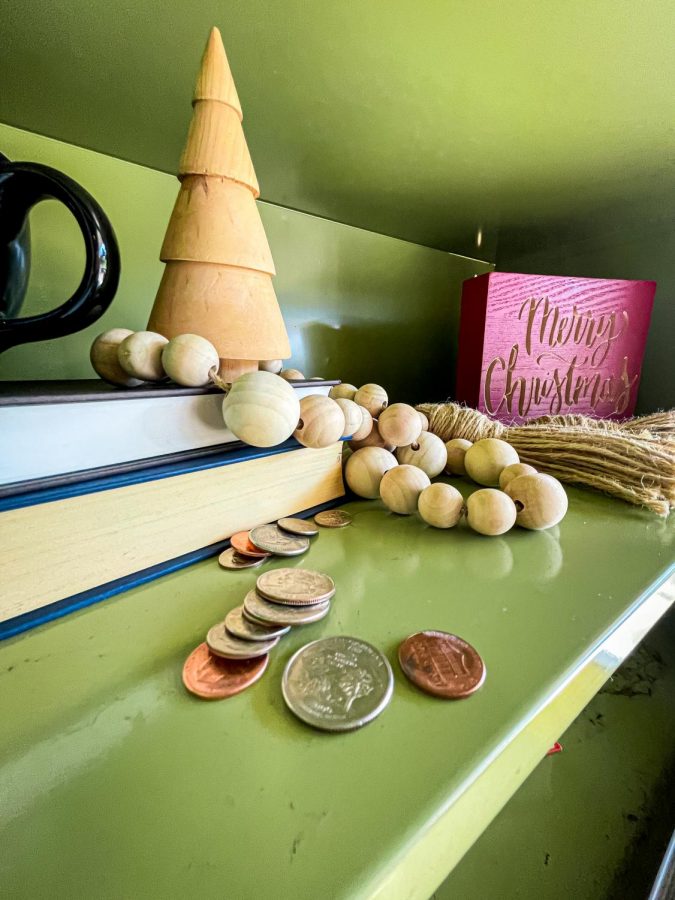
633, 460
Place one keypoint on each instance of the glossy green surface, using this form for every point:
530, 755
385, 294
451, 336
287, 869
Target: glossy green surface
115, 782
358, 306
429, 121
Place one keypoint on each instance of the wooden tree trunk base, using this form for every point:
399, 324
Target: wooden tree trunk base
233, 368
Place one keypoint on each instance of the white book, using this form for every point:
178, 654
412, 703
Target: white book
50, 429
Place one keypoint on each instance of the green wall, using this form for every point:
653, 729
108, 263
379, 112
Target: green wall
358, 306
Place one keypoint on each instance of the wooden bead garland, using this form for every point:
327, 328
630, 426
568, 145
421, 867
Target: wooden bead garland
440, 505
399, 424
373, 397
423, 420
485, 460
373, 439
366, 425
261, 409
271, 365
353, 416
190, 360
513, 471
105, 361
342, 391
540, 501
428, 453
401, 487
321, 422
490, 512
456, 451
365, 469
292, 375
140, 355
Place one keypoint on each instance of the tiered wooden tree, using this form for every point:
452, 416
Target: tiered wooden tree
218, 276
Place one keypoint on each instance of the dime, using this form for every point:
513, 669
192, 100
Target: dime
242, 544
265, 611
232, 559
441, 664
333, 518
338, 683
211, 678
297, 587
222, 643
298, 526
240, 627
274, 540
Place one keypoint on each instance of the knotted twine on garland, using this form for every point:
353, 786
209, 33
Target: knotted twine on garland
633, 460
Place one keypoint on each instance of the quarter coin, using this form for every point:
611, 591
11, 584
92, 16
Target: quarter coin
242, 628
333, 518
211, 678
222, 643
274, 540
298, 526
441, 664
232, 559
265, 611
242, 544
297, 587
338, 683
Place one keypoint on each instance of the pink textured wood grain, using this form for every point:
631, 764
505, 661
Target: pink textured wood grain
534, 345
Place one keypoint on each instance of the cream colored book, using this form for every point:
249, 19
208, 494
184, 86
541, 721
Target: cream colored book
71, 547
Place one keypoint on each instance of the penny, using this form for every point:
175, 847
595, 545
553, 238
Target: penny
441, 664
333, 518
222, 643
242, 544
232, 559
338, 683
265, 611
212, 678
298, 526
240, 627
297, 587
274, 540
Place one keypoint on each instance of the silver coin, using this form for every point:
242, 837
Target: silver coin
333, 518
337, 683
242, 628
230, 559
298, 526
274, 540
297, 587
275, 614
222, 643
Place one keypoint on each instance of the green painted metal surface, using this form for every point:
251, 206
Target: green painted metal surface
357, 305
115, 782
428, 121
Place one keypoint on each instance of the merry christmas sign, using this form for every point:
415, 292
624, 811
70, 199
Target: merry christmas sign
537, 345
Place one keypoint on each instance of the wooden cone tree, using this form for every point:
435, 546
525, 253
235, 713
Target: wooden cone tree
218, 276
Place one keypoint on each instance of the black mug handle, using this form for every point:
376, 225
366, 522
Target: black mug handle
22, 185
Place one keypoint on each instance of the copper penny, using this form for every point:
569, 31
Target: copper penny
441, 664
212, 678
243, 544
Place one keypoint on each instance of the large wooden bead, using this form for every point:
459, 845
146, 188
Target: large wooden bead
427, 453
366, 425
456, 451
292, 375
140, 355
189, 360
365, 468
540, 501
423, 420
104, 359
353, 416
261, 409
440, 505
342, 391
399, 424
373, 397
372, 439
401, 487
490, 512
510, 472
271, 365
485, 460
321, 422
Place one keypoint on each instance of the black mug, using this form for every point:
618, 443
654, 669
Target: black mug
22, 185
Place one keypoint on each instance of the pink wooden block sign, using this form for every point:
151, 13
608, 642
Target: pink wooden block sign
537, 345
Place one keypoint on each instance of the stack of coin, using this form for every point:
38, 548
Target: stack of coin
282, 598
250, 549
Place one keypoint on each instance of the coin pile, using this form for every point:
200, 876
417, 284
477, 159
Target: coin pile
236, 650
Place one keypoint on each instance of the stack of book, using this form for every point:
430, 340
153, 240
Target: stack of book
102, 489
